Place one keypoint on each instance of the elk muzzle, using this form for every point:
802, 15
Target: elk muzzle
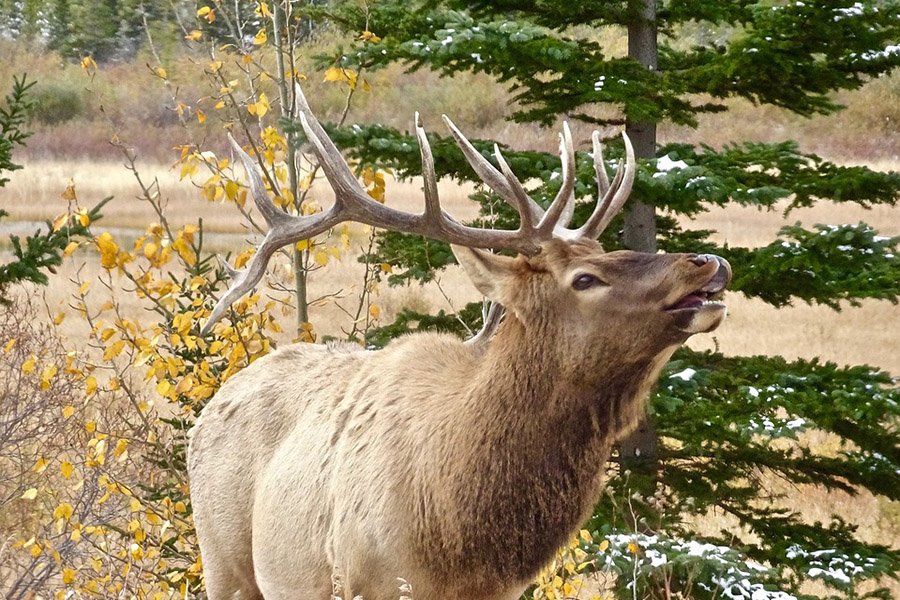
699, 310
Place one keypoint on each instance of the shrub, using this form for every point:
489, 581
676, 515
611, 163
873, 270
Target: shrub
56, 103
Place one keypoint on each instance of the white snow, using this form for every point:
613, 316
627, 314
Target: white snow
854, 11
664, 164
685, 375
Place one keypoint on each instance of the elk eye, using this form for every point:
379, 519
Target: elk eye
585, 281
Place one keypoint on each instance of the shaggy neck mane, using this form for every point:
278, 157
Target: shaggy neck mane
529, 452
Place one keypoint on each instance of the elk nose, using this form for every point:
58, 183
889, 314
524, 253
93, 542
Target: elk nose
702, 259
723, 274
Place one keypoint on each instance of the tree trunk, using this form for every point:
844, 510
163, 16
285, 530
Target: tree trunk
283, 46
639, 450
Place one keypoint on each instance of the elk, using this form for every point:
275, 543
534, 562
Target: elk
459, 466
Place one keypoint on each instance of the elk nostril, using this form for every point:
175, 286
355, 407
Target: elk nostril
701, 259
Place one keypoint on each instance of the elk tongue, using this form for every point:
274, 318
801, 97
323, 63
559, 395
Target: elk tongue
689, 301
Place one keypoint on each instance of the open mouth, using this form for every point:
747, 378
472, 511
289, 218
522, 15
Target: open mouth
707, 295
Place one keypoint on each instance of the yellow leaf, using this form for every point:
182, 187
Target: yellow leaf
633, 548
40, 465
334, 74
69, 192
194, 36
109, 250
68, 576
121, 448
66, 469
63, 511
163, 387
83, 288
160, 72
201, 118
368, 36
90, 426
259, 108
9, 346
205, 12
68, 411
88, 64
28, 365
83, 217
59, 222
261, 37
47, 376
59, 318
114, 350
320, 257
375, 311
263, 10
338, 74
71, 247
231, 189
30, 494
604, 545
90, 385
219, 105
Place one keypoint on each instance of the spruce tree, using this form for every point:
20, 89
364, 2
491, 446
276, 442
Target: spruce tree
724, 426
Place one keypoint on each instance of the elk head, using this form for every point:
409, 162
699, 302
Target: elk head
557, 266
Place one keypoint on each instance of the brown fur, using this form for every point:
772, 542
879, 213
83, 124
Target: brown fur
460, 469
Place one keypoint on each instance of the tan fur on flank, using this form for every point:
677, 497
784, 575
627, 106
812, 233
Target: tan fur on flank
460, 468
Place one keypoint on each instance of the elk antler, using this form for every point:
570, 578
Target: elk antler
352, 203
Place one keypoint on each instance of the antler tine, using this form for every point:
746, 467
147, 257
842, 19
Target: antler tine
491, 176
432, 201
564, 203
267, 208
283, 230
522, 200
492, 315
611, 202
346, 187
599, 167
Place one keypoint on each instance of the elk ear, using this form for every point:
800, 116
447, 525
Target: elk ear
489, 272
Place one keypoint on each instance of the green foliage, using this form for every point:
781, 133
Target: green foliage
743, 418
43, 251
467, 320
831, 264
12, 123
530, 46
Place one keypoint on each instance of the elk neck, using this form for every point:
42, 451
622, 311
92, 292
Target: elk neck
530, 379
529, 446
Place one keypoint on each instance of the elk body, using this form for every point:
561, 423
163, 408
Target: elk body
460, 467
